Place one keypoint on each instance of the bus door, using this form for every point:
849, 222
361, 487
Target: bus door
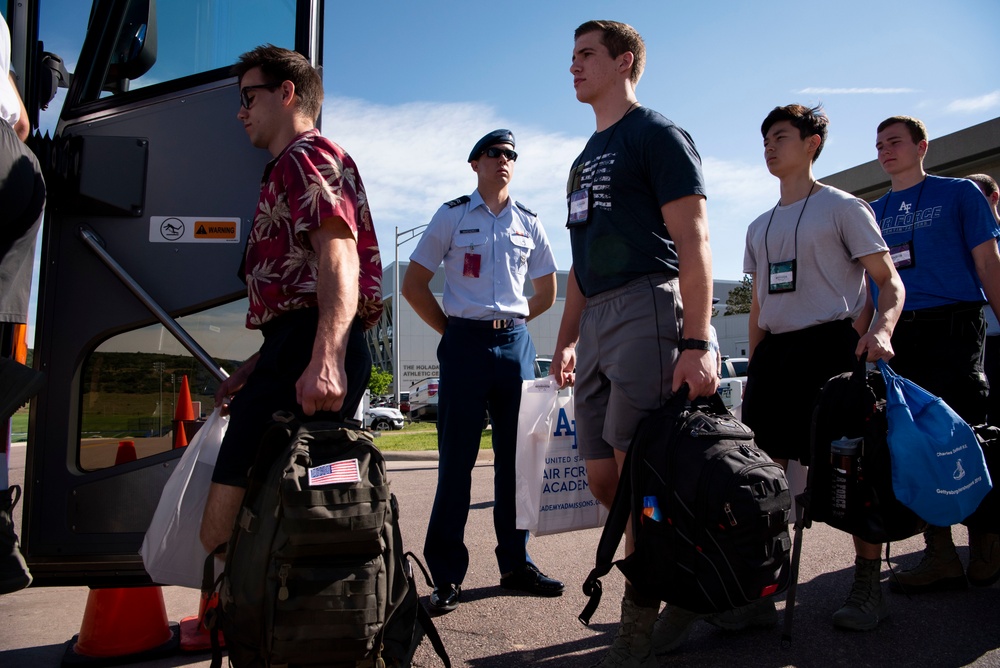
152, 186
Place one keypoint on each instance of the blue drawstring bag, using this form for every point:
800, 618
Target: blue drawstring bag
938, 469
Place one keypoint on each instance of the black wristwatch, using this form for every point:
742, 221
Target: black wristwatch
693, 344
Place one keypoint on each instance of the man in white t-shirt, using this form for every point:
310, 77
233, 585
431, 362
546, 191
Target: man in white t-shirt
809, 256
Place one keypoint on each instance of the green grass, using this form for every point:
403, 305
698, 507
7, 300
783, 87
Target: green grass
19, 425
420, 436
414, 436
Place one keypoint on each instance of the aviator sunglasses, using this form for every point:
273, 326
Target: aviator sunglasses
494, 152
246, 100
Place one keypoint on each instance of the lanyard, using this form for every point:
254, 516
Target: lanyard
916, 208
767, 251
610, 137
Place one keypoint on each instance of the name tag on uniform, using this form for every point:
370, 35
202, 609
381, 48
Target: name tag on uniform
471, 267
902, 255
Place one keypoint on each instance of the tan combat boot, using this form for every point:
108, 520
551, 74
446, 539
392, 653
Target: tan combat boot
939, 570
632, 647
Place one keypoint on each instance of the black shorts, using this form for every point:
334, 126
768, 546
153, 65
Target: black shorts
287, 349
784, 378
941, 350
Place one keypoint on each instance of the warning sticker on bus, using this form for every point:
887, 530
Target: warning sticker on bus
190, 230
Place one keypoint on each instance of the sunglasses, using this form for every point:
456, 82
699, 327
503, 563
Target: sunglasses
494, 152
246, 100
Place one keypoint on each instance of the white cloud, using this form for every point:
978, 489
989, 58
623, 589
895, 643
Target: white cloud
413, 157
855, 91
975, 104
737, 193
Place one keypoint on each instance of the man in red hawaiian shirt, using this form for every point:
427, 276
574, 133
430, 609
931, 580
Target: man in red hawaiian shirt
312, 270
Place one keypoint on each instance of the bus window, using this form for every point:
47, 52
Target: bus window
130, 383
160, 42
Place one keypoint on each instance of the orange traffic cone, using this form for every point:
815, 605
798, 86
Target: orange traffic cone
126, 452
185, 409
123, 624
195, 636
180, 435
183, 413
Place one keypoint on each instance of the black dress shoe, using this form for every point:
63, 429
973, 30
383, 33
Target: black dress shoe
445, 599
531, 580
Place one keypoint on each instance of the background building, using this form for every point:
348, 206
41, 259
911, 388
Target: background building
969, 151
418, 342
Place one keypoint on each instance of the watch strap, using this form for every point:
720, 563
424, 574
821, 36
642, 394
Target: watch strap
694, 344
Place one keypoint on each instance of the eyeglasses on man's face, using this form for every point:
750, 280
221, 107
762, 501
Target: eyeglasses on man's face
246, 100
496, 152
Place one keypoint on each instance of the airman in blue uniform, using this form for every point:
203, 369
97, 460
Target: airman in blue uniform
489, 245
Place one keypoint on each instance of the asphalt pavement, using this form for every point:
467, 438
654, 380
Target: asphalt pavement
494, 628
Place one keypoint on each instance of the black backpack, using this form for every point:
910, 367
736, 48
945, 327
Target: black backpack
710, 512
852, 405
315, 572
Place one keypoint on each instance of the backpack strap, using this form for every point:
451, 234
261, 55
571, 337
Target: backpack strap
424, 620
712, 404
621, 508
427, 624
801, 523
208, 585
614, 528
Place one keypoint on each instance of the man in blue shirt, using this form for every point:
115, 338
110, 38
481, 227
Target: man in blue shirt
489, 245
943, 241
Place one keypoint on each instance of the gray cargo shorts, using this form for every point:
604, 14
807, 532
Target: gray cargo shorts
626, 356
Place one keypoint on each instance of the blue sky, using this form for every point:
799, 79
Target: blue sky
412, 85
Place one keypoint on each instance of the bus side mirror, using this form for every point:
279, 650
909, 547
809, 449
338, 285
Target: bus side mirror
57, 78
135, 51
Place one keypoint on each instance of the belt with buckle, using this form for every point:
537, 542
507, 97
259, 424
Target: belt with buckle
503, 323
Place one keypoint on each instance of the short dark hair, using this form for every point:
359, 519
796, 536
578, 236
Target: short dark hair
618, 38
808, 120
918, 131
281, 65
985, 182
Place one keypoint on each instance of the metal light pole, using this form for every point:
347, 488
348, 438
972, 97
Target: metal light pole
413, 233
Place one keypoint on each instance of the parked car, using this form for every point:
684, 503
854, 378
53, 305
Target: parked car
383, 418
734, 379
542, 365
404, 403
423, 397
424, 402
735, 367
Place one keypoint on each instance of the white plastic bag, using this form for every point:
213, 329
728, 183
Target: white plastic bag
552, 491
172, 551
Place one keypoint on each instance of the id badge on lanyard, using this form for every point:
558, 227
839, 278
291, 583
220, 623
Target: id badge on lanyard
902, 255
781, 277
581, 203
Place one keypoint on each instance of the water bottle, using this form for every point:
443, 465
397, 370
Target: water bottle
844, 454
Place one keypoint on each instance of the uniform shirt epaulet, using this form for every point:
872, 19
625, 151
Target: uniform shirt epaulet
458, 200
525, 209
